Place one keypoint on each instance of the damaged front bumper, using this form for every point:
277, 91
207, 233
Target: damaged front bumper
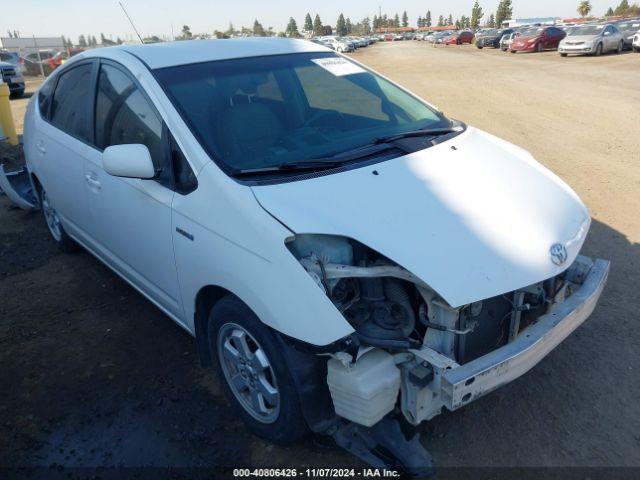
462, 384
18, 187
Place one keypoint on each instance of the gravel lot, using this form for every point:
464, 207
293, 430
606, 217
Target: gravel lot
94, 375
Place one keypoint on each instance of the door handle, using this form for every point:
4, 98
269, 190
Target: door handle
93, 182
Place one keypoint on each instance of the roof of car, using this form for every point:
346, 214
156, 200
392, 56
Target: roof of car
169, 54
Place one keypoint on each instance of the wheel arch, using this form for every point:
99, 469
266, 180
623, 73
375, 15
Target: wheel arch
205, 300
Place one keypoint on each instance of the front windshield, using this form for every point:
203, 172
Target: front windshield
262, 112
585, 30
531, 32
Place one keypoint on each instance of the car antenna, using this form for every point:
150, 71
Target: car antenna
131, 22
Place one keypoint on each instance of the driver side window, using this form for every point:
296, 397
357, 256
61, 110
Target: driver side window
124, 116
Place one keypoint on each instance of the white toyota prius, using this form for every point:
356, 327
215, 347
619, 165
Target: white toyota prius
344, 254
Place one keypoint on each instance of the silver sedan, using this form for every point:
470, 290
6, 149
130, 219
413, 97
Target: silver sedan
592, 40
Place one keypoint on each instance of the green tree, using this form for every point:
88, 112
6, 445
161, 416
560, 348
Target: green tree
622, 8
317, 26
186, 33
609, 13
505, 12
366, 26
476, 15
584, 8
258, 29
450, 20
82, 41
427, 19
341, 26
441, 21
491, 23
308, 23
405, 19
420, 22
292, 28
349, 26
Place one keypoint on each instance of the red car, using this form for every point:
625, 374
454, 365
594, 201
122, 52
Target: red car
388, 37
459, 39
537, 39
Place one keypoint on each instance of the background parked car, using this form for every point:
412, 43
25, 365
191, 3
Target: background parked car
506, 41
636, 42
338, 44
13, 78
459, 38
14, 59
440, 36
492, 38
537, 39
592, 40
628, 29
388, 37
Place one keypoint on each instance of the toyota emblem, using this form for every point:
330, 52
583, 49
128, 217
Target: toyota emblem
558, 253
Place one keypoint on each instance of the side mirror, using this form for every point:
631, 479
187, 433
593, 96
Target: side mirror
129, 161
607, 34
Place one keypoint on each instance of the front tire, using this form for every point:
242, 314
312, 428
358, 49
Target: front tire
539, 48
64, 242
620, 48
598, 50
563, 54
253, 372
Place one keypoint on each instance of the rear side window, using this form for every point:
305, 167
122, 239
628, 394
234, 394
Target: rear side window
124, 116
45, 95
71, 101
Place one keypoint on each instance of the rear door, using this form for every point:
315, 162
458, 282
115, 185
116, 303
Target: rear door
131, 218
61, 138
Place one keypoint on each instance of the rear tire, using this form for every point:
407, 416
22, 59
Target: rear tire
64, 242
636, 49
539, 47
563, 54
254, 373
620, 48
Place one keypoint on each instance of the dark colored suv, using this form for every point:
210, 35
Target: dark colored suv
492, 38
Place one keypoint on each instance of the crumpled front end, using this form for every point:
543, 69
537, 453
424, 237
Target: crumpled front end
411, 347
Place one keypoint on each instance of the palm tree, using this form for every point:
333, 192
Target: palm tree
584, 8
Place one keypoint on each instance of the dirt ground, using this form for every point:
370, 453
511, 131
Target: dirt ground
91, 374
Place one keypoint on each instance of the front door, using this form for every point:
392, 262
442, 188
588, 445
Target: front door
132, 217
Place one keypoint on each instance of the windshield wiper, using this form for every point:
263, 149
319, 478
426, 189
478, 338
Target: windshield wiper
417, 133
289, 167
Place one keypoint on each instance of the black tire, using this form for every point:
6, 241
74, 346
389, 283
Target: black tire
636, 49
620, 47
540, 47
563, 54
289, 425
598, 50
512, 51
64, 242
17, 94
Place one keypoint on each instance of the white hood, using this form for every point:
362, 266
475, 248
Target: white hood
472, 223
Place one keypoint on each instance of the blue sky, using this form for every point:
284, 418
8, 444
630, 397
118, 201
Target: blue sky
73, 17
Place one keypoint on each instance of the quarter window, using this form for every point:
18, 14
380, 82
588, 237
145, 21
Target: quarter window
124, 115
44, 97
70, 106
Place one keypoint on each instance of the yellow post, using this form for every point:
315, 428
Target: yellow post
6, 119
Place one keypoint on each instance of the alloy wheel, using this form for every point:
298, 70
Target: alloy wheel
51, 217
248, 372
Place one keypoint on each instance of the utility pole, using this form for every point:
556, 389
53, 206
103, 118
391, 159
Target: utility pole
35, 44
